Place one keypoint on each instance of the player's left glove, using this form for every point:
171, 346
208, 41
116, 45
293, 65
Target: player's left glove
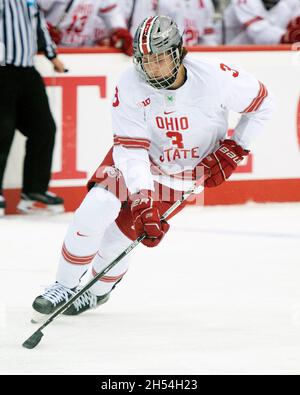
122, 39
146, 219
292, 34
220, 165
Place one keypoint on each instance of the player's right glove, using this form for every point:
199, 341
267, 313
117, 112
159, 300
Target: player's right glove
146, 219
292, 34
220, 165
55, 33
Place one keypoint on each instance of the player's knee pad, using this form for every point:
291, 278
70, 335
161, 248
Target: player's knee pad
97, 211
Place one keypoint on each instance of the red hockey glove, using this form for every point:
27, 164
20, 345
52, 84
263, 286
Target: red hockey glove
292, 34
219, 165
146, 219
55, 34
122, 39
294, 23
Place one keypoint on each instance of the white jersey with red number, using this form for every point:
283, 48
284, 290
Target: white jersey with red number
173, 130
249, 22
194, 18
135, 11
87, 21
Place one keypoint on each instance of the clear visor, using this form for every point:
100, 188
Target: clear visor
159, 70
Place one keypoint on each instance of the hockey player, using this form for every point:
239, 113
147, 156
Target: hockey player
77, 23
194, 18
169, 116
262, 22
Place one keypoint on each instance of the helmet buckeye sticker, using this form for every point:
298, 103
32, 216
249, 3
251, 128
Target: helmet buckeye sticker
145, 35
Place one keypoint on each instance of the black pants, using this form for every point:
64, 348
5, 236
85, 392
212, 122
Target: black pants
24, 106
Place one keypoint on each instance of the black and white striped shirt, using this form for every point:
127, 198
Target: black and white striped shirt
21, 25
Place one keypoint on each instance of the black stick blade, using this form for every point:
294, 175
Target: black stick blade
33, 340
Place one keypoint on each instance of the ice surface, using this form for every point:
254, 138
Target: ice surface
221, 295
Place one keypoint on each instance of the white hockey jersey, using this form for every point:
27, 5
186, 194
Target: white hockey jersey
135, 11
159, 134
249, 22
194, 18
86, 22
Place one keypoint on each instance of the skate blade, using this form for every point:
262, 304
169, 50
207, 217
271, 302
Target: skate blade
31, 210
38, 318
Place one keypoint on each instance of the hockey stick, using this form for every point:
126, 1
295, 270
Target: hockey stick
36, 337
129, 26
64, 14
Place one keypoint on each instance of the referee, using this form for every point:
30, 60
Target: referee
24, 103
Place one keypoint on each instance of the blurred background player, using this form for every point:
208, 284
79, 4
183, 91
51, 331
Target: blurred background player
24, 103
170, 119
77, 23
262, 22
195, 19
136, 11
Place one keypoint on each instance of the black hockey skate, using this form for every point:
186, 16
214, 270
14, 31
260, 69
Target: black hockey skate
53, 298
47, 202
85, 302
88, 300
2, 206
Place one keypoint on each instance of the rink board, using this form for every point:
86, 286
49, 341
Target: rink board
81, 100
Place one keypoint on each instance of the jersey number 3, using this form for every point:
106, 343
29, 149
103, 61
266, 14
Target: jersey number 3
235, 73
116, 101
177, 139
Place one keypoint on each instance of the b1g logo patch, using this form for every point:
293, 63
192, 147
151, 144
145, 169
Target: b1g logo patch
147, 102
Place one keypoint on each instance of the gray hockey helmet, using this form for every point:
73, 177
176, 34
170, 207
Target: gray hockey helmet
158, 39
